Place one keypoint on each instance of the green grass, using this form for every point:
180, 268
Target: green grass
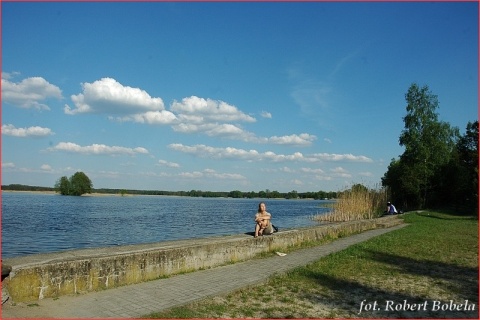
434, 258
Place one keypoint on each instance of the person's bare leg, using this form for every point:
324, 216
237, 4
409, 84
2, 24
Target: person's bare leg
257, 229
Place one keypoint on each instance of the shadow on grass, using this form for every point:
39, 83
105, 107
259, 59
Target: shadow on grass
462, 278
427, 214
347, 295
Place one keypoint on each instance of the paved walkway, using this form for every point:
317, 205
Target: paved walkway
138, 300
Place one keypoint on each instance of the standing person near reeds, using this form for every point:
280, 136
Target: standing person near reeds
263, 221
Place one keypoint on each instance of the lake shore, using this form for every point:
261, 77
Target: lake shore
94, 194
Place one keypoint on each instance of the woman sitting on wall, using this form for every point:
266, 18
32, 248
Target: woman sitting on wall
263, 221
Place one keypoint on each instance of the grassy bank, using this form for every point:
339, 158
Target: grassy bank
431, 264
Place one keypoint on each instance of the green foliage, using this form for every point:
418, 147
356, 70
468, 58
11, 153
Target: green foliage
22, 187
63, 186
77, 185
421, 176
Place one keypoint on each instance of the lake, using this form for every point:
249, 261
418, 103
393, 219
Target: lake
39, 223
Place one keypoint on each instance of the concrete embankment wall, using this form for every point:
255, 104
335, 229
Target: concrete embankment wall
40, 276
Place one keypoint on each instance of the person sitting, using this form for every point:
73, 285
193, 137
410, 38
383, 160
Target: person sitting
263, 221
391, 208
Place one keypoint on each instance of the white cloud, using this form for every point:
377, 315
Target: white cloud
46, 167
11, 130
340, 172
310, 170
209, 110
212, 118
110, 97
266, 114
150, 117
294, 140
9, 165
191, 175
28, 93
168, 164
253, 155
97, 149
327, 140
211, 129
191, 115
297, 182
341, 157
210, 173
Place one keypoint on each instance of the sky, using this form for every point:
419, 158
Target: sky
225, 96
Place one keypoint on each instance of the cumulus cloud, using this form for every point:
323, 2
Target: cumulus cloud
341, 157
297, 182
111, 97
161, 117
191, 115
208, 110
168, 164
46, 167
253, 155
220, 119
8, 165
28, 93
211, 129
310, 170
11, 130
97, 149
294, 140
266, 114
212, 118
210, 173
340, 172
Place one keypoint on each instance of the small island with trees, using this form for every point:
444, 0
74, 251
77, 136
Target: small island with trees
77, 185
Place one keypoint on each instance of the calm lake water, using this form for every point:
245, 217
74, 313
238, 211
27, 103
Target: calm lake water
38, 223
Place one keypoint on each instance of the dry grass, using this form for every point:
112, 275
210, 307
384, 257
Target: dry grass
356, 204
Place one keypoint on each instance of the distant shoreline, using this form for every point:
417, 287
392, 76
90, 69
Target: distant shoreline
95, 194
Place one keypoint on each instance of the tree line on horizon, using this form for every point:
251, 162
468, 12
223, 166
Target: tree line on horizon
267, 194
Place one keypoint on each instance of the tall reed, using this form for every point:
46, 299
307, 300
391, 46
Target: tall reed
356, 204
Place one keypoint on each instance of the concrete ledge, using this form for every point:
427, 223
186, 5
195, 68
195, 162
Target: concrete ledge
52, 275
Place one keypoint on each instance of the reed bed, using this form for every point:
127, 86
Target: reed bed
356, 204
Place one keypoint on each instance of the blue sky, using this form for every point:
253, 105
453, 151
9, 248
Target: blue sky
225, 96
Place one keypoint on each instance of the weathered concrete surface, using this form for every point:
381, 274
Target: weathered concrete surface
40, 276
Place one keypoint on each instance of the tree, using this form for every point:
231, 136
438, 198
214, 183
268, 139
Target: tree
428, 146
463, 170
80, 184
63, 186
235, 194
292, 195
77, 185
